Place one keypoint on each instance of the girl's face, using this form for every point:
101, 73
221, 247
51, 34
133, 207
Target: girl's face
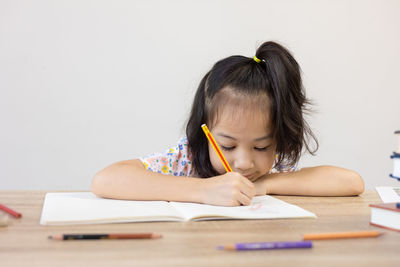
245, 138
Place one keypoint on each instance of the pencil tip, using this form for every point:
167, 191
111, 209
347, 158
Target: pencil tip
156, 236
220, 247
55, 237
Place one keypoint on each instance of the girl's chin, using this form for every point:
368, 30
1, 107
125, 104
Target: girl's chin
255, 178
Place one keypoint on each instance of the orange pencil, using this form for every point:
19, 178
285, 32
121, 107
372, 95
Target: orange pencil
339, 235
216, 148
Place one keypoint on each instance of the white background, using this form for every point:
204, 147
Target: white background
84, 84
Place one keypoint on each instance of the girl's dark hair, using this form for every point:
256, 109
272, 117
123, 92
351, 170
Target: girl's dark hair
278, 76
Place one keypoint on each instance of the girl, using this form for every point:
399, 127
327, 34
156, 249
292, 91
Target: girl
254, 108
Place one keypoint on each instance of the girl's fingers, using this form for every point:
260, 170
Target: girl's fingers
248, 188
248, 192
247, 182
243, 199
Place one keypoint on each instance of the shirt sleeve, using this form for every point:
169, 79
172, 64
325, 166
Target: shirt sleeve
282, 168
173, 161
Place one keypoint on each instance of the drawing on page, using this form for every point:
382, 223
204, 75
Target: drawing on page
259, 207
255, 206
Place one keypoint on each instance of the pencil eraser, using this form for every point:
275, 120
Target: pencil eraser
398, 205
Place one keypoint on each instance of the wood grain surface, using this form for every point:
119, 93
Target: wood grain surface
24, 242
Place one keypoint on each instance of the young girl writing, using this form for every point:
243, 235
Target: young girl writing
254, 109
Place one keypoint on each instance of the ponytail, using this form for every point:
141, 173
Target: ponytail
289, 102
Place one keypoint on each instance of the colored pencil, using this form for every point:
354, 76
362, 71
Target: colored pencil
10, 211
216, 148
267, 245
339, 235
105, 236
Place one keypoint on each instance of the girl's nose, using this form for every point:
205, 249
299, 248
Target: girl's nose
243, 163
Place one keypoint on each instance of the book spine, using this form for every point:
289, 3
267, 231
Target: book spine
385, 227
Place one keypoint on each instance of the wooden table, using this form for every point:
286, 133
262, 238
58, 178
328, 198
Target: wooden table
24, 242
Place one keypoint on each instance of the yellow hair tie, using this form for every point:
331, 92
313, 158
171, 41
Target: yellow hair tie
256, 59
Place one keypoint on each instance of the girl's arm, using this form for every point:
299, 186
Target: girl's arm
314, 181
130, 180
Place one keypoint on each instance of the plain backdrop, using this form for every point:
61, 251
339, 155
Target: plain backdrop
84, 84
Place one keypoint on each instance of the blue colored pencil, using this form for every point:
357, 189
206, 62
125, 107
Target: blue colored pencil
267, 245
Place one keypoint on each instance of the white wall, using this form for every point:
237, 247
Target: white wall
86, 83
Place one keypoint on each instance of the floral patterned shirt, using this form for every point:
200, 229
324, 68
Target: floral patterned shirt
177, 161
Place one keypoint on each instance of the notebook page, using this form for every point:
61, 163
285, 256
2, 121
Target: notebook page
87, 208
261, 207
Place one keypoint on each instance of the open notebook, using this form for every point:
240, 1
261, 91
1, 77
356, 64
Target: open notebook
86, 208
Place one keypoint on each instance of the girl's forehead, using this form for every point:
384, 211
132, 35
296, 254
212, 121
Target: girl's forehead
236, 111
239, 120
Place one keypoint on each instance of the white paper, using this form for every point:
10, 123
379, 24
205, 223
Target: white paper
261, 207
87, 208
388, 194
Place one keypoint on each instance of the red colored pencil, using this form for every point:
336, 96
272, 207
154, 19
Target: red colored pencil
105, 236
10, 211
214, 144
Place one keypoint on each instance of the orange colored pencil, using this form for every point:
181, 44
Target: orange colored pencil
216, 148
339, 235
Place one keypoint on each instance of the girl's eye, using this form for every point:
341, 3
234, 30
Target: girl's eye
261, 148
227, 148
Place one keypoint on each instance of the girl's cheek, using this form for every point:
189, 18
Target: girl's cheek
270, 160
216, 163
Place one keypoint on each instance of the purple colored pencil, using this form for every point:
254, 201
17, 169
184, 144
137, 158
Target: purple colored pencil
267, 245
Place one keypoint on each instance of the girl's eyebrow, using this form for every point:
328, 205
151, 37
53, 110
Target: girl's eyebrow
268, 136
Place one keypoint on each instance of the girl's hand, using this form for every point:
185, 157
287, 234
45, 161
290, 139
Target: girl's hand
261, 185
229, 189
